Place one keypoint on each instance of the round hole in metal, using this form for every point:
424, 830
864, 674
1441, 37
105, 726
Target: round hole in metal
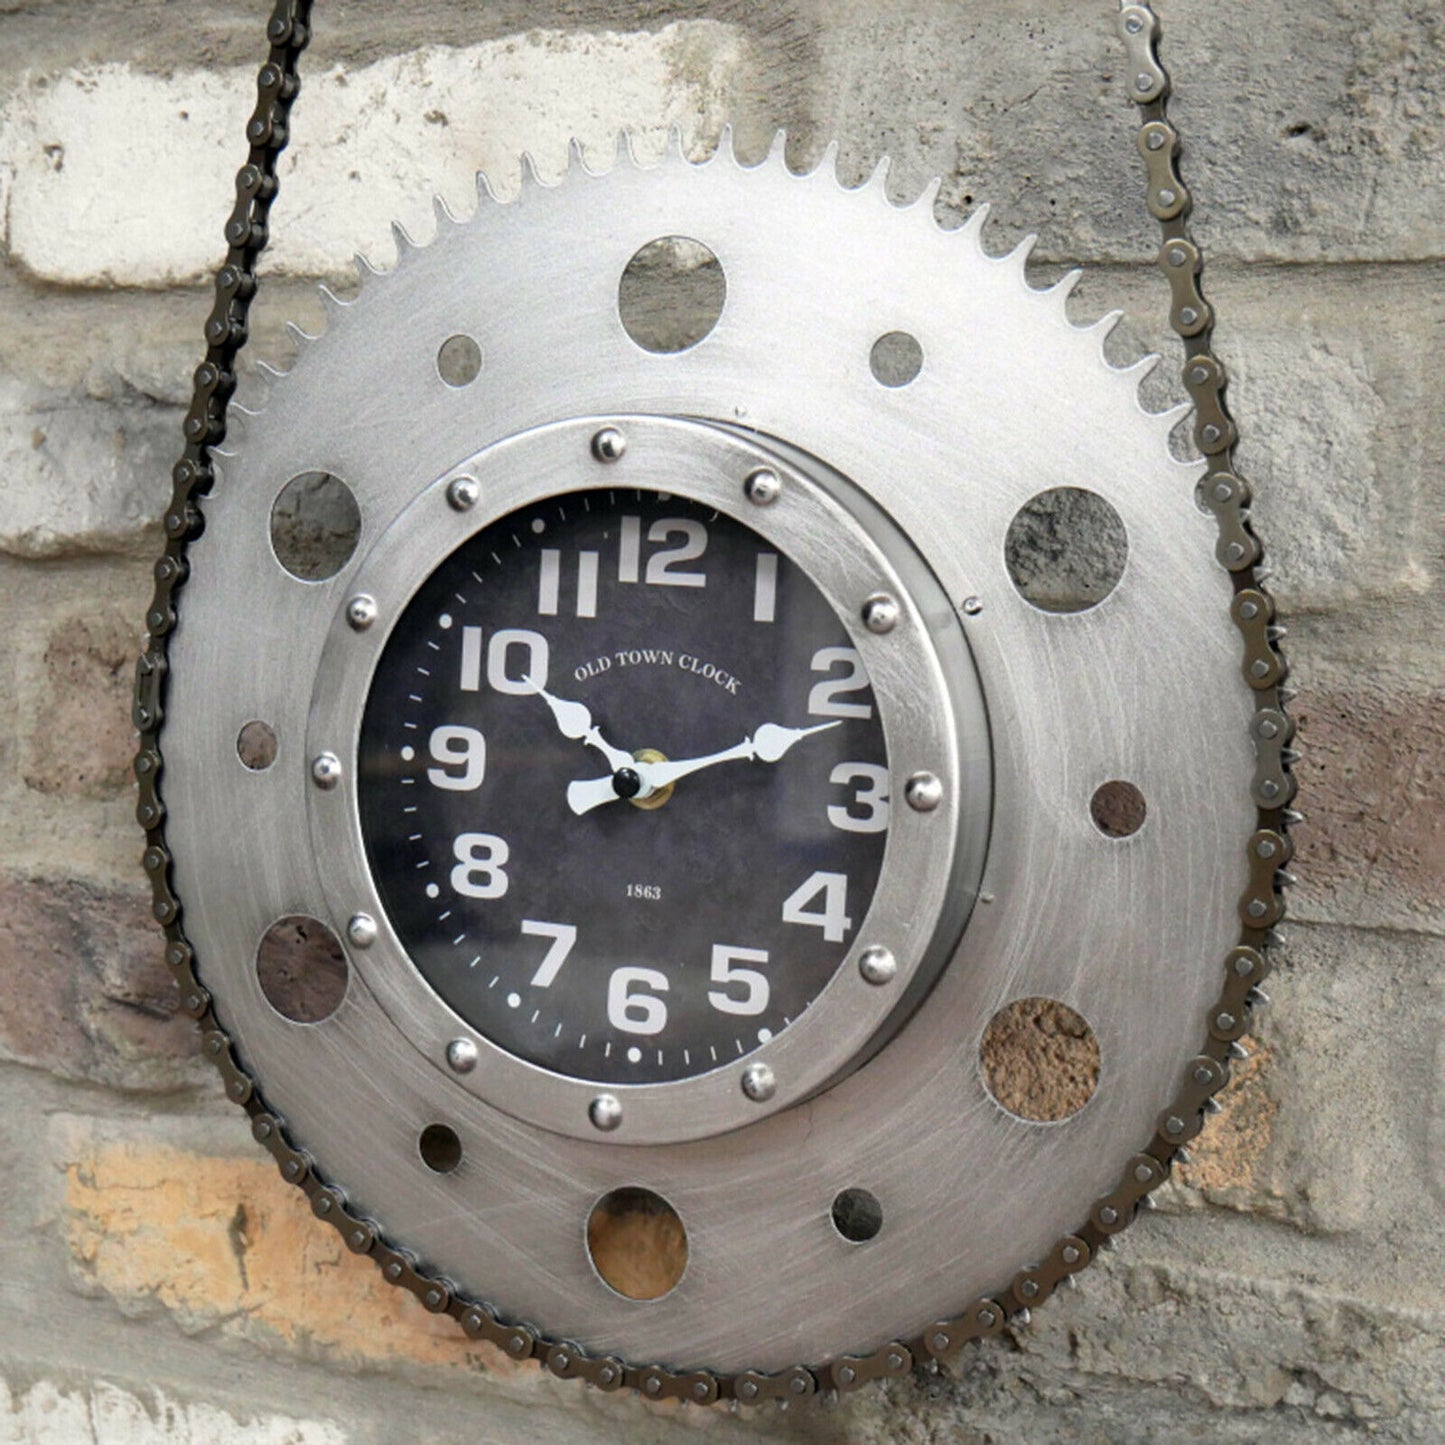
1040, 1060
256, 746
315, 524
857, 1215
1118, 809
439, 1147
1066, 550
896, 359
671, 294
637, 1243
301, 969
459, 361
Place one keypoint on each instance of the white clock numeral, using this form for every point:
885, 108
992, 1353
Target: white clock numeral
724, 972
457, 747
662, 567
563, 936
833, 918
481, 865
636, 1013
823, 698
765, 588
871, 784
629, 549
501, 675
549, 585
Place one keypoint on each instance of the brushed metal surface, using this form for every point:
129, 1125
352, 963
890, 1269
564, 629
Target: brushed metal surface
1011, 400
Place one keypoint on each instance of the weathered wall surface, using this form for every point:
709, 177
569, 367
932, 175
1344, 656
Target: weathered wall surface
157, 1280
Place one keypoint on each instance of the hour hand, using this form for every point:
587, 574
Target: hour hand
575, 721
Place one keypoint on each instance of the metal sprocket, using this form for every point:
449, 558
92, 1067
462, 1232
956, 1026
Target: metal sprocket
1012, 400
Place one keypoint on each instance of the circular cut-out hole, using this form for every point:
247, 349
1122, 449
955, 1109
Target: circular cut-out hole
439, 1147
301, 969
1040, 1059
1066, 550
671, 294
315, 523
459, 361
256, 746
857, 1215
1118, 809
637, 1243
896, 359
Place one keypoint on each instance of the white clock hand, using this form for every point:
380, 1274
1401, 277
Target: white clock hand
767, 745
575, 721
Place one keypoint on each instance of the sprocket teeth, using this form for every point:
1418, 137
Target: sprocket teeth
487, 193
778, 149
1102, 330
925, 201
627, 149
299, 336
333, 303
827, 166
877, 181
1018, 258
531, 176
1063, 288
973, 226
443, 212
404, 243
365, 271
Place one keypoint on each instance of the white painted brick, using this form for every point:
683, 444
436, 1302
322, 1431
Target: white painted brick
50, 1412
78, 475
121, 177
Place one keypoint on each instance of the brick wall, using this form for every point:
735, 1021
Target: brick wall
158, 1280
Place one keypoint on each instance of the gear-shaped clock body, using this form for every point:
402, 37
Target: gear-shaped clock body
990, 724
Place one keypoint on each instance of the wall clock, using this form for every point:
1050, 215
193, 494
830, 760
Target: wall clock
690, 779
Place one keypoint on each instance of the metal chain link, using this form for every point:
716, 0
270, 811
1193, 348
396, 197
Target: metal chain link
1268, 850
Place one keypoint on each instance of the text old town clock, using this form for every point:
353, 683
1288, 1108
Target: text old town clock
691, 775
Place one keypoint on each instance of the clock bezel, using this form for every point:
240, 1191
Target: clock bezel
929, 702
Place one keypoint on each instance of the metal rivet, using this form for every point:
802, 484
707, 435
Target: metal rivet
973, 605
361, 930
561, 1361
1166, 197
463, 493
1174, 1124
462, 1056
763, 487
1257, 908
798, 1385
1155, 141
652, 1385
1269, 788
1211, 434
1178, 257
605, 1112
608, 444
1223, 492
393, 1270
924, 792
1070, 1255
1143, 82
606, 1374
847, 1375
361, 611
1249, 610
1266, 849
1143, 1173
986, 1318
759, 1083
1244, 966
700, 1390
940, 1341
1260, 668
1269, 728
747, 1389
880, 613
1133, 24
877, 965
1203, 1075
1224, 1021
1029, 1289
326, 770
1109, 1215
1189, 316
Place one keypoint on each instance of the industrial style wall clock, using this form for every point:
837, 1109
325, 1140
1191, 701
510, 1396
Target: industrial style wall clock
691, 780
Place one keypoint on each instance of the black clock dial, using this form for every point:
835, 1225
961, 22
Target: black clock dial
623, 786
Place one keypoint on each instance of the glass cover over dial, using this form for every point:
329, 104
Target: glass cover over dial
623, 786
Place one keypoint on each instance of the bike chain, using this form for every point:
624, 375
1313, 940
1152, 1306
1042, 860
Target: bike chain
1260, 908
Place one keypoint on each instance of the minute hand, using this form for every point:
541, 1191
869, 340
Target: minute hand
767, 745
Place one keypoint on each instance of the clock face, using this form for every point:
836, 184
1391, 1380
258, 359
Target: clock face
623, 786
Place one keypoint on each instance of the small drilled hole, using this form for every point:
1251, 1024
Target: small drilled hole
895, 359
637, 1243
1066, 550
301, 969
256, 746
1040, 1060
1118, 809
315, 524
459, 361
671, 294
857, 1215
440, 1149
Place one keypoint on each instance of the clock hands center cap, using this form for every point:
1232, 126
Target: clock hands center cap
628, 782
